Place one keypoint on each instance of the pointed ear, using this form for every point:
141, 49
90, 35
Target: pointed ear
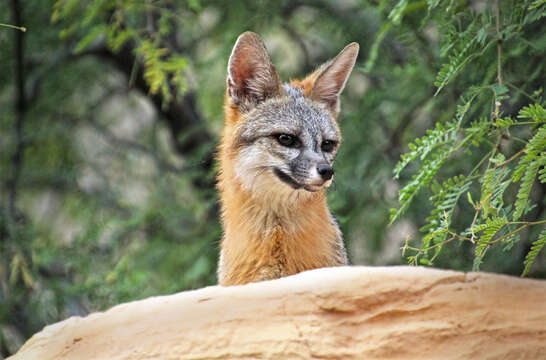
252, 78
332, 76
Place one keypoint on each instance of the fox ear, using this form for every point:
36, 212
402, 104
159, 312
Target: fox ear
332, 76
252, 78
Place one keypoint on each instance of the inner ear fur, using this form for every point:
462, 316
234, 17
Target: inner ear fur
326, 84
252, 78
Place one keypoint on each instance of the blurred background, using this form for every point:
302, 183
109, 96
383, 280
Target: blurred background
110, 112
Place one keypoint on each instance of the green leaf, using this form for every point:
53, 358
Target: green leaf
456, 63
534, 112
418, 181
499, 90
92, 35
432, 4
116, 39
494, 183
536, 145
424, 261
445, 199
435, 139
489, 229
462, 47
536, 247
397, 13
525, 189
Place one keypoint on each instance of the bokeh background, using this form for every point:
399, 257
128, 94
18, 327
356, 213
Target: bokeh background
110, 111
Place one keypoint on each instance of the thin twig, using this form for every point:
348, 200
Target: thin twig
499, 42
515, 231
511, 158
499, 55
455, 236
472, 235
21, 28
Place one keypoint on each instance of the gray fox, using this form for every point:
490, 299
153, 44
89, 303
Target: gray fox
275, 161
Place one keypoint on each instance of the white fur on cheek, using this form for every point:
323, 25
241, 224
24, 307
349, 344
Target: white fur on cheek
254, 168
251, 163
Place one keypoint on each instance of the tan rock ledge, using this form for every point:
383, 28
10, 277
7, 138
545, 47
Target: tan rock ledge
335, 313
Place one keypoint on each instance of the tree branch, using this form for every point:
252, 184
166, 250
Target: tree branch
19, 111
499, 55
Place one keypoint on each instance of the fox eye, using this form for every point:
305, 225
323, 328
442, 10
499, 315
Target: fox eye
328, 145
288, 140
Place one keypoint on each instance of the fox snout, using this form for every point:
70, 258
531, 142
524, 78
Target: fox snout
325, 171
309, 171
269, 165
310, 183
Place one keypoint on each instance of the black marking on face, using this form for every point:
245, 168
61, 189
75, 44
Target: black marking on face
287, 179
328, 145
296, 131
287, 140
293, 115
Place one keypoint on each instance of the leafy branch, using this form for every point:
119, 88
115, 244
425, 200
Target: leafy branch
499, 214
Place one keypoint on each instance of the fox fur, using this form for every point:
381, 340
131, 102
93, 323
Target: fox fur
275, 163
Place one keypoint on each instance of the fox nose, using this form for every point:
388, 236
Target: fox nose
325, 171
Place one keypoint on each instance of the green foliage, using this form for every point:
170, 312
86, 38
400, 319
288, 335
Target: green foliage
534, 112
444, 198
158, 71
537, 246
439, 143
525, 189
457, 60
119, 23
441, 135
488, 230
428, 170
494, 183
497, 138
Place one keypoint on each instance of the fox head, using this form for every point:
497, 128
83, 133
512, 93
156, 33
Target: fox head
282, 138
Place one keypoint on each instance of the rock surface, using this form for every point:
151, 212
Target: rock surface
336, 313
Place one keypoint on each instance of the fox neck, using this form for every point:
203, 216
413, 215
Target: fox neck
259, 215
269, 235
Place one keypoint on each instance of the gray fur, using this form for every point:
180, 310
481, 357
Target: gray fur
277, 172
296, 115
269, 109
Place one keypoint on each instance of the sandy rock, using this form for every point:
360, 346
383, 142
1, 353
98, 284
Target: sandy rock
336, 313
